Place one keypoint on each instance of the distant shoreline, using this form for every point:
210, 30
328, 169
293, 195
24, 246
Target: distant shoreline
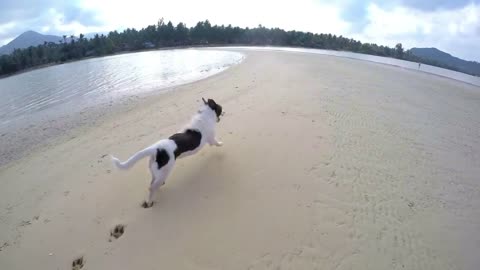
29, 69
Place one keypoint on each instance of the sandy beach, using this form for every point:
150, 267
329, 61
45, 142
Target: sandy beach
327, 163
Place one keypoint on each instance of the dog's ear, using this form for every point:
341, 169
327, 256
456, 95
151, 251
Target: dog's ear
204, 102
212, 104
211, 101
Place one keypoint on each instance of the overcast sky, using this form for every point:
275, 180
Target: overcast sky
450, 25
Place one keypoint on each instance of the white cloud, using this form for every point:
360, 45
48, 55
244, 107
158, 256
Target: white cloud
5, 28
306, 15
456, 31
45, 29
58, 24
5, 41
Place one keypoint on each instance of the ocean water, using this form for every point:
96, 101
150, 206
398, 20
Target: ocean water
72, 87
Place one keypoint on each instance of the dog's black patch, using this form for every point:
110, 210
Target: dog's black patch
186, 141
162, 158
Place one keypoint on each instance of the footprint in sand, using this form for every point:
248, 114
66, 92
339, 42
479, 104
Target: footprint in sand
6, 244
78, 263
117, 231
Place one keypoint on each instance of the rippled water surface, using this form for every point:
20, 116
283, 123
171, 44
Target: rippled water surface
76, 85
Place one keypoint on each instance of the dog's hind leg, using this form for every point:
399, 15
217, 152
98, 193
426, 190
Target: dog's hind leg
158, 180
150, 162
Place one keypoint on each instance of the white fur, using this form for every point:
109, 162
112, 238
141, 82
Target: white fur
204, 121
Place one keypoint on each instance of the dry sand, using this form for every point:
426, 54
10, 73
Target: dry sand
327, 163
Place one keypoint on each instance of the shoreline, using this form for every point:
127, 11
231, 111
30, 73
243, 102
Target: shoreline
327, 163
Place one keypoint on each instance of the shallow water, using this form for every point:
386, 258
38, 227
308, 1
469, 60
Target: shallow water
379, 59
74, 86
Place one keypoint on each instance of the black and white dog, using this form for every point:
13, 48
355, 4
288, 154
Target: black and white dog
200, 131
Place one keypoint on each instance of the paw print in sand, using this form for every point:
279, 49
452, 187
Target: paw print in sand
117, 231
78, 263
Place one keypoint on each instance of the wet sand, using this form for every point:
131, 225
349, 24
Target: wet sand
327, 163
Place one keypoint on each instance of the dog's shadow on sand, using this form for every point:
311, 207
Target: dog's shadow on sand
192, 186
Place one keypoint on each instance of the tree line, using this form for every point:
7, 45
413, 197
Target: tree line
202, 34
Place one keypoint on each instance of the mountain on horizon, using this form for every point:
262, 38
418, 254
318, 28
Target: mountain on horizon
32, 38
434, 54
27, 39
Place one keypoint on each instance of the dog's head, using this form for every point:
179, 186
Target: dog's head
214, 107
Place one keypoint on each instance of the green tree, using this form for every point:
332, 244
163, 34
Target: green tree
181, 34
399, 50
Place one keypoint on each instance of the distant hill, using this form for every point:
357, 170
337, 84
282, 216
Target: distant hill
27, 39
441, 57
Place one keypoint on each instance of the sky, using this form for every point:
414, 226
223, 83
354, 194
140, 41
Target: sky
449, 25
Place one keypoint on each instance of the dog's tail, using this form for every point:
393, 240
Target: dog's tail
133, 159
